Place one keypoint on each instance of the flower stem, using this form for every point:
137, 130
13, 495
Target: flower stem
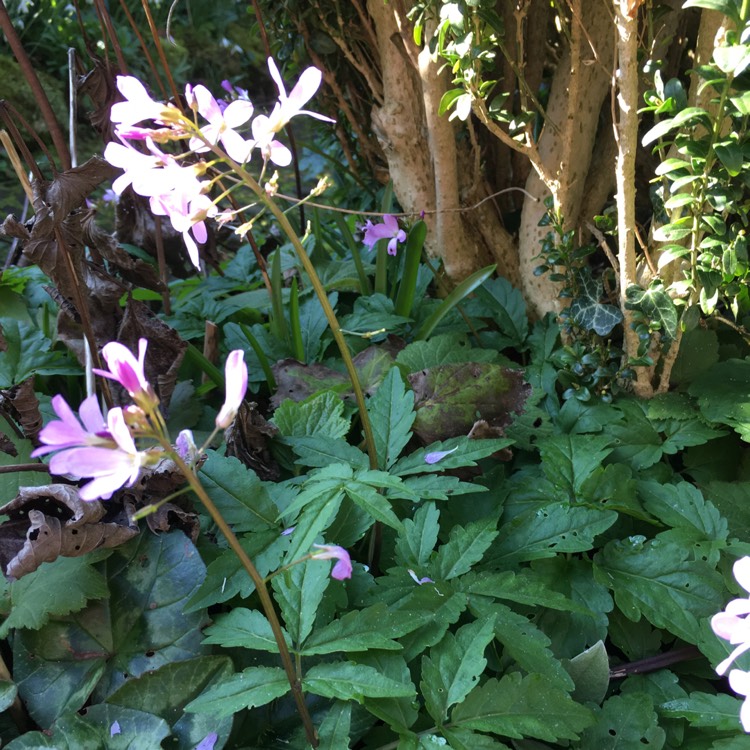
261, 588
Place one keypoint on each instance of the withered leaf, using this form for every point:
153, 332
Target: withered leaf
52, 521
248, 440
450, 398
22, 406
170, 516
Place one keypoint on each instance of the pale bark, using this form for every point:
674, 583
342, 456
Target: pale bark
566, 145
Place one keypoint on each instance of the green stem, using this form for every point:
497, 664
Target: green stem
333, 322
260, 587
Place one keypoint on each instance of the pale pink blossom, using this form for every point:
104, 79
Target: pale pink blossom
235, 378
67, 431
128, 371
388, 230
732, 624
187, 215
265, 127
221, 124
138, 105
343, 567
739, 681
109, 468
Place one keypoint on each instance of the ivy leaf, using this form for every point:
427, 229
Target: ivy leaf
238, 494
454, 666
657, 579
465, 547
588, 312
255, 686
517, 707
657, 306
391, 412
349, 681
56, 588
625, 721
244, 628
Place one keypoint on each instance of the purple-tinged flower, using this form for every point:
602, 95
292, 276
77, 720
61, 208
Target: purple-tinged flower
129, 371
235, 378
343, 568
186, 447
435, 456
187, 215
222, 124
388, 230
208, 742
109, 468
289, 531
67, 431
419, 581
739, 681
138, 106
265, 127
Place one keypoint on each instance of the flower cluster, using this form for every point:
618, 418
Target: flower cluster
733, 625
104, 449
176, 189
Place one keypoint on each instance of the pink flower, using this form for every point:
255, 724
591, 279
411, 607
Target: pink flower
739, 681
235, 377
138, 106
129, 371
110, 468
265, 127
222, 125
388, 230
732, 624
343, 568
187, 215
435, 456
67, 432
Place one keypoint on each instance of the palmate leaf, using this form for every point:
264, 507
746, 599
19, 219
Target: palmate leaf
320, 415
625, 721
569, 460
454, 666
517, 707
349, 681
656, 579
443, 349
391, 411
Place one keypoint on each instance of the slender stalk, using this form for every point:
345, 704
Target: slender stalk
260, 586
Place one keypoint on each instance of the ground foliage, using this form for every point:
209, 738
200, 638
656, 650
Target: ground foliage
547, 581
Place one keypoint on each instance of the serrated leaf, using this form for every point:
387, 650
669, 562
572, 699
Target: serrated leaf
443, 349
464, 452
626, 721
508, 308
636, 441
398, 713
723, 394
322, 415
244, 628
360, 630
683, 506
333, 732
418, 537
569, 460
465, 547
720, 712
391, 412
658, 580
373, 503
252, 687
299, 591
454, 666
349, 681
317, 452
56, 588
464, 739
517, 707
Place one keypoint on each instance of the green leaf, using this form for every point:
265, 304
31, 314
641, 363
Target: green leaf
720, 712
374, 315
349, 681
464, 452
412, 256
517, 707
730, 155
462, 290
317, 452
252, 687
373, 503
448, 99
508, 308
418, 537
636, 441
454, 666
313, 326
449, 399
682, 506
626, 721
238, 494
657, 579
588, 312
590, 672
461, 738
333, 732
657, 306
8, 693
56, 588
465, 547
549, 530
321, 415
391, 412
299, 591
360, 630
723, 394
569, 460
27, 353
166, 691
443, 349
244, 628
690, 116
